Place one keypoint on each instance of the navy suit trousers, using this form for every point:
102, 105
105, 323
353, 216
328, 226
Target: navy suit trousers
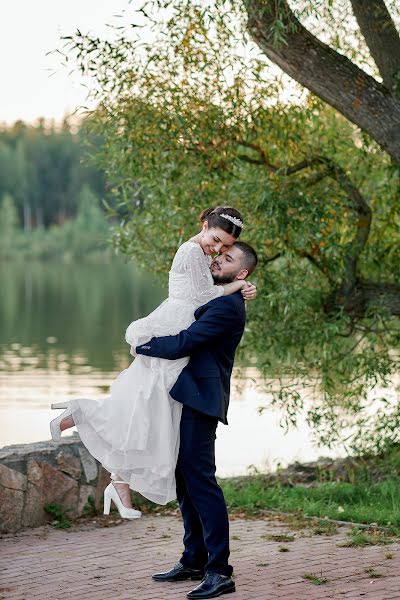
202, 503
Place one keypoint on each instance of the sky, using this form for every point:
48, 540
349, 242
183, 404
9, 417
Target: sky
34, 85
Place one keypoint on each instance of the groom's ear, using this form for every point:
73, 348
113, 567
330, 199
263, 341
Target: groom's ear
243, 273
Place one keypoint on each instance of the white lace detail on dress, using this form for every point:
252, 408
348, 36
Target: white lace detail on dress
190, 277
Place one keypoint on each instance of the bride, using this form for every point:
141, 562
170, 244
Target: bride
134, 432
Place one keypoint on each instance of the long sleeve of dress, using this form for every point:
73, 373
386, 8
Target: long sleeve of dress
200, 282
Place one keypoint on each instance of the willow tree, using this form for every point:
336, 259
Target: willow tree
197, 108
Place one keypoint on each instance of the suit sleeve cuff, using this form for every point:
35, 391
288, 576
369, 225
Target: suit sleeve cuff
143, 349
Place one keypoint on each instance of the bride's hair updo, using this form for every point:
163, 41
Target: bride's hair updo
214, 219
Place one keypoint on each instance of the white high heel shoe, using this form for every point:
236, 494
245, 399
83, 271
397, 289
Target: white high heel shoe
55, 424
64, 404
110, 493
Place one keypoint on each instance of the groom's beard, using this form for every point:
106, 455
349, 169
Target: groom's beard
220, 279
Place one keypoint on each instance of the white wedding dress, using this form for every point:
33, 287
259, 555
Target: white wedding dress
135, 431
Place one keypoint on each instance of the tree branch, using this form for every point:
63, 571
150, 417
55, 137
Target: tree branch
328, 74
381, 294
363, 226
381, 35
264, 160
358, 203
269, 259
319, 264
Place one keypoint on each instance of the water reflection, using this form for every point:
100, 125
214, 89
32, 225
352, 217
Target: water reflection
60, 316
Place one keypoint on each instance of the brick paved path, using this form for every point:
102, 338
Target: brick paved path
97, 563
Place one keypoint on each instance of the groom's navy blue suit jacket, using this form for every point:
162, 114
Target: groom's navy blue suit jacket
211, 342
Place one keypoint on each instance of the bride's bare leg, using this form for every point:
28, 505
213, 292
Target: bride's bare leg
123, 491
67, 422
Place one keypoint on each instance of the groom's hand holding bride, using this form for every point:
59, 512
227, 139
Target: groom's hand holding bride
249, 290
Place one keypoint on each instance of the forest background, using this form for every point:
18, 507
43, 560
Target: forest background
50, 196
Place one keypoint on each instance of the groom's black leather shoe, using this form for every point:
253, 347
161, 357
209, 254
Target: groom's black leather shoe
213, 585
178, 573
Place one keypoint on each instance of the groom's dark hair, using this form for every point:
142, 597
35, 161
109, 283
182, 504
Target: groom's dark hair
249, 256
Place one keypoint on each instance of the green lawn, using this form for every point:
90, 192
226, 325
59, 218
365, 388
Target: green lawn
360, 502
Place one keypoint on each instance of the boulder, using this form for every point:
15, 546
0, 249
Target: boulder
69, 463
59, 488
11, 507
33, 475
84, 492
12, 488
89, 463
12, 479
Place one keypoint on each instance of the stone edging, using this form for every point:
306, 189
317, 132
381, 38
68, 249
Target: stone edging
33, 475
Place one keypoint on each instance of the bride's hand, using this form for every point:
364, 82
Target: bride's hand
249, 292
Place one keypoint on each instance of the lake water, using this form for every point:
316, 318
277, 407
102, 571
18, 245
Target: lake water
62, 336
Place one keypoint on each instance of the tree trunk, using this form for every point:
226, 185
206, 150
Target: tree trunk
364, 296
382, 38
39, 217
27, 217
328, 74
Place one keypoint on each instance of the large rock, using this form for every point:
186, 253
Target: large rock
69, 463
84, 493
11, 506
89, 464
59, 488
12, 479
12, 488
33, 475
33, 514
103, 481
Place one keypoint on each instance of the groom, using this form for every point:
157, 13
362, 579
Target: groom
203, 389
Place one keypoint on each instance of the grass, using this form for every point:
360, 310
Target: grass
358, 502
279, 537
372, 573
59, 514
315, 579
324, 528
358, 538
90, 510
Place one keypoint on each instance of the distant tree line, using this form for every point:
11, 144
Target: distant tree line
43, 173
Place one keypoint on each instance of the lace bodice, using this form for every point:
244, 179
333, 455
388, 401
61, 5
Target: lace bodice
190, 278
190, 285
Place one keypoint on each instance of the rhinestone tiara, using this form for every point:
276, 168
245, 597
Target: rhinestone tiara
233, 220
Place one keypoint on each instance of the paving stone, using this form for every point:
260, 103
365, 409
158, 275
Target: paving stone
117, 562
